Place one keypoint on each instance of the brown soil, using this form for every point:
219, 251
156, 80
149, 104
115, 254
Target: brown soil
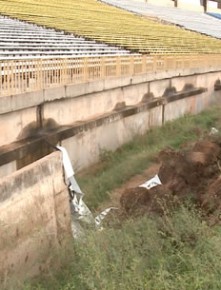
133, 182
189, 174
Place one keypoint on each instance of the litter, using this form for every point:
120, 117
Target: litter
151, 182
102, 215
81, 216
213, 131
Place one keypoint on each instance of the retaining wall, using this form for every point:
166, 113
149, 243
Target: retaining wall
35, 218
87, 118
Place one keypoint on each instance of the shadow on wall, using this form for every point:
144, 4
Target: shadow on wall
217, 85
37, 130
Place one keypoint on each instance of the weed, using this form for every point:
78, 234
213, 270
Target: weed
175, 251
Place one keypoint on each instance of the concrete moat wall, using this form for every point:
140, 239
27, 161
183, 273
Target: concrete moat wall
88, 118
34, 219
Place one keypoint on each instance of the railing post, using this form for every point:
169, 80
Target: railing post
86, 69
155, 63
14, 83
118, 66
144, 64
39, 80
7, 78
165, 63
1, 79
102, 67
64, 71
131, 66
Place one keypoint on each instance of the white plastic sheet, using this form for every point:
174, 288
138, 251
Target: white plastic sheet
151, 182
81, 214
102, 215
69, 172
213, 131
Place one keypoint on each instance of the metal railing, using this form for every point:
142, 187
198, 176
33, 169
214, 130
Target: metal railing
27, 75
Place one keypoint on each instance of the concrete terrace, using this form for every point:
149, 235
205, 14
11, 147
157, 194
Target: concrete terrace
192, 20
94, 20
21, 40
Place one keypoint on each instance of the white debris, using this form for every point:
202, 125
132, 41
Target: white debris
213, 131
151, 182
81, 214
69, 172
102, 215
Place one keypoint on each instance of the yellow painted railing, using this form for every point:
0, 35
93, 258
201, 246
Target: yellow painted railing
19, 76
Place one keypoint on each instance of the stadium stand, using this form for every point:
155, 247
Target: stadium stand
21, 40
94, 20
216, 15
191, 20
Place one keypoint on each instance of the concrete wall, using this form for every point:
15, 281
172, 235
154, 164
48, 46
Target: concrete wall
8, 168
14, 122
69, 110
192, 105
91, 117
35, 218
85, 148
23, 115
190, 5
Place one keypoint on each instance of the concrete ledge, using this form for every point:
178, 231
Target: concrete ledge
21, 101
54, 94
182, 95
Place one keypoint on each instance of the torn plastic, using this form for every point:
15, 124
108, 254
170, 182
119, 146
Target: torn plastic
151, 182
81, 216
102, 215
213, 131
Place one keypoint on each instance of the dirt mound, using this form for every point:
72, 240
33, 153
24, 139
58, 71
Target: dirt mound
192, 174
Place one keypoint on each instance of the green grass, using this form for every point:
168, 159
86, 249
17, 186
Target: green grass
117, 167
175, 251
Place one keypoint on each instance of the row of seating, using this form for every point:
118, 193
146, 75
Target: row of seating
191, 20
104, 23
21, 40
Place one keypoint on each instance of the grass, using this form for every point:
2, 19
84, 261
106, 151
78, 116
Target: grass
175, 251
